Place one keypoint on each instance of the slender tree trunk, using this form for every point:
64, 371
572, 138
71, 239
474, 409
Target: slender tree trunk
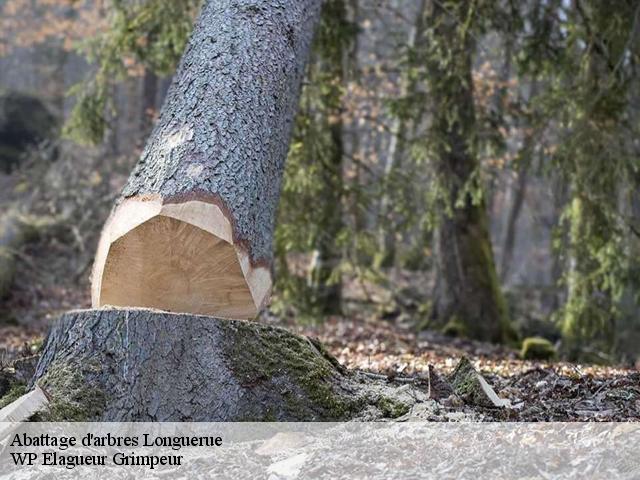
498, 101
326, 290
192, 231
558, 241
58, 77
332, 66
518, 193
111, 144
468, 300
356, 207
397, 149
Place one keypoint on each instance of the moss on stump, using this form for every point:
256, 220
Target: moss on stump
473, 388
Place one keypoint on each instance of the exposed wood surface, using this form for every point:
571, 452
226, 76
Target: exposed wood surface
176, 257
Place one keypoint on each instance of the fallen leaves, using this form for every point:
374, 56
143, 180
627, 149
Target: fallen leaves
537, 391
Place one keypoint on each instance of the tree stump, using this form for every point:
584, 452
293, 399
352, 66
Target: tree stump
144, 365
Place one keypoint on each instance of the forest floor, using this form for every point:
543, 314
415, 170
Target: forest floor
538, 391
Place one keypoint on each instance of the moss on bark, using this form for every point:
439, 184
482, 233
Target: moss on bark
142, 365
266, 353
392, 408
73, 399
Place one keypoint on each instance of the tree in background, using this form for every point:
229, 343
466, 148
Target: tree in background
142, 38
468, 300
586, 53
311, 215
596, 76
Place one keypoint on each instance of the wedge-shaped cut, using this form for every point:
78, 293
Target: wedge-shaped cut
171, 265
178, 258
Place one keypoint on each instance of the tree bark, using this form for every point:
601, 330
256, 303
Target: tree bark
468, 300
193, 228
518, 191
142, 365
326, 292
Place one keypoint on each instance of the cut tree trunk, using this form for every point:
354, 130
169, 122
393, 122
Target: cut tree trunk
146, 365
143, 365
192, 231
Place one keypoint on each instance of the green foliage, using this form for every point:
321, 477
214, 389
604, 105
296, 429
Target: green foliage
149, 33
87, 122
441, 62
584, 55
583, 120
313, 178
154, 32
592, 80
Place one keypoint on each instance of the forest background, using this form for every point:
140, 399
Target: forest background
470, 168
